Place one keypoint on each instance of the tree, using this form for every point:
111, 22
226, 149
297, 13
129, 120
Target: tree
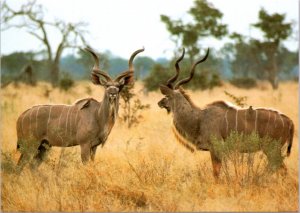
205, 77
275, 31
206, 22
142, 66
31, 16
249, 60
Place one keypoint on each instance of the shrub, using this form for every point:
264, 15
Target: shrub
238, 100
66, 81
131, 111
202, 80
215, 81
241, 161
244, 82
158, 75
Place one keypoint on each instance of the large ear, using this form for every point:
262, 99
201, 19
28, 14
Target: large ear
99, 78
126, 78
165, 90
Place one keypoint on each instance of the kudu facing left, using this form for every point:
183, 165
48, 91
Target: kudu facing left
195, 127
86, 123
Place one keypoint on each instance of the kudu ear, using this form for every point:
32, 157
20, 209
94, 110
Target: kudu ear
165, 90
126, 78
98, 79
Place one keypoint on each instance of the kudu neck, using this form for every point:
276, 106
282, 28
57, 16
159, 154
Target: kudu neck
187, 118
108, 112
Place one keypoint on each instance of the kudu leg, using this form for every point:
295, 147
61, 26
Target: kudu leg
275, 159
93, 152
43, 150
85, 152
216, 163
24, 159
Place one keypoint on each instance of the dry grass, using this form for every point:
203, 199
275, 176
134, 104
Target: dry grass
141, 169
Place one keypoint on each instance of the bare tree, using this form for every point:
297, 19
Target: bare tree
31, 16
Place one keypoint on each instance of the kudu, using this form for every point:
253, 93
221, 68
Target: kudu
86, 123
194, 127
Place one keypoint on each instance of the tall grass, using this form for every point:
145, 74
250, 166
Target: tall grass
144, 168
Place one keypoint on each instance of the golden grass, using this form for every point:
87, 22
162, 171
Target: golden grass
142, 168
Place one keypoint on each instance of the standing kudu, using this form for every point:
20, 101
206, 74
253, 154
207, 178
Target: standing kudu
86, 123
194, 127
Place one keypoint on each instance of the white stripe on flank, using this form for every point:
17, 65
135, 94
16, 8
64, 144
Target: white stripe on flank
60, 116
67, 120
236, 120
267, 127
71, 121
256, 114
30, 119
246, 122
49, 119
59, 127
76, 117
275, 119
36, 121
226, 122
22, 123
281, 121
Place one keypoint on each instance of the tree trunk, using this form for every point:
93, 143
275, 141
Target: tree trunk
54, 73
273, 73
274, 81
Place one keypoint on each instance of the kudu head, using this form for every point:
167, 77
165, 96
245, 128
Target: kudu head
112, 86
173, 94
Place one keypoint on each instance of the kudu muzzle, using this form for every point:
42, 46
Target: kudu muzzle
113, 93
163, 104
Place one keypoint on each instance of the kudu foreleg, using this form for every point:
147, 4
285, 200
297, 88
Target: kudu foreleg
85, 152
93, 152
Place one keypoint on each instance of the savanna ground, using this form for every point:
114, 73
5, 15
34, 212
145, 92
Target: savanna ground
142, 168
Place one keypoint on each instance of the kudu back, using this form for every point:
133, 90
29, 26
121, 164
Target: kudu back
86, 123
194, 127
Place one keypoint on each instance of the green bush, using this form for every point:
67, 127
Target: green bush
158, 75
244, 82
201, 80
66, 81
242, 159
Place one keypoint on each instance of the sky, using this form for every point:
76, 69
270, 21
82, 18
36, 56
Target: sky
121, 27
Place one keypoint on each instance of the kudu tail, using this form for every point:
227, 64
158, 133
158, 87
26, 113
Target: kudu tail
290, 142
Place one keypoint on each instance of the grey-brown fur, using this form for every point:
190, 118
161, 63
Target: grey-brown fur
194, 127
86, 123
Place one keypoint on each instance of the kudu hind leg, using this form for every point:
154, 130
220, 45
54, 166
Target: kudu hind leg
43, 150
25, 156
24, 159
216, 163
275, 159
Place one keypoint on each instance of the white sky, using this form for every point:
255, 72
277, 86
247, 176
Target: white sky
122, 26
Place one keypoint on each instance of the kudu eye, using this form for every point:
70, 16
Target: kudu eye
121, 82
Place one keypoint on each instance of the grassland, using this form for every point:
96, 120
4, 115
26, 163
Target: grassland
142, 168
